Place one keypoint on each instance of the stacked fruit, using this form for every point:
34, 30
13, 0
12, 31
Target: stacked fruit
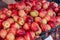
25, 20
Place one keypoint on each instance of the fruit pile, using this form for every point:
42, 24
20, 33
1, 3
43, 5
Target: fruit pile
25, 20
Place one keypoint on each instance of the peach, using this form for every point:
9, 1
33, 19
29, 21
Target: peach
10, 36
6, 24
3, 33
34, 13
20, 21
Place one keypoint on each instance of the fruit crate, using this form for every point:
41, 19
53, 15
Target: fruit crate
43, 35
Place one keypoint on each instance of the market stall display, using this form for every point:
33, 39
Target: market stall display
29, 20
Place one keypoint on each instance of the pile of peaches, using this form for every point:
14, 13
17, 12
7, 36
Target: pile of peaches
26, 20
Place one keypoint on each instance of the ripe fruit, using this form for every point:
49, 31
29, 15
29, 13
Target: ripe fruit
9, 12
50, 12
45, 27
26, 26
34, 26
42, 13
15, 17
10, 20
5, 24
46, 5
4, 10
20, 21
54, 4
21, 32
37, 6
15, 25
12, 30
47, 17
14, 12
38, 20
34, 13
10, 6
32, 34
48, 27
3, 16
3, 33
29, 19
44, 21
27, 36
20, 5
38, 32
27, 9
53, 18
20, 38
10, 36
51, 23
56, 9
58, 18
22, 13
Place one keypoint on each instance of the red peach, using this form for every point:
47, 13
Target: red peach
27, 9
38, 20
37, 6
33, 3
44, 21
50, 12
20, 5
29, 36
38, 32
5, 24
20, 38
34, 13
52, 24
15, 17
26, 26
9, 12
10, 6
58, 18
55, 4
43, 1
3, 33
56, 9
3, 16
34, 26
46, 5
53, 18
47, 17
20, 21
45, 27
12, 30
21, 32
21, 13
10, 36
10, 20
15, 25
29, 19
14, 12
32, 34
29, 4
4, 10
42, 13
